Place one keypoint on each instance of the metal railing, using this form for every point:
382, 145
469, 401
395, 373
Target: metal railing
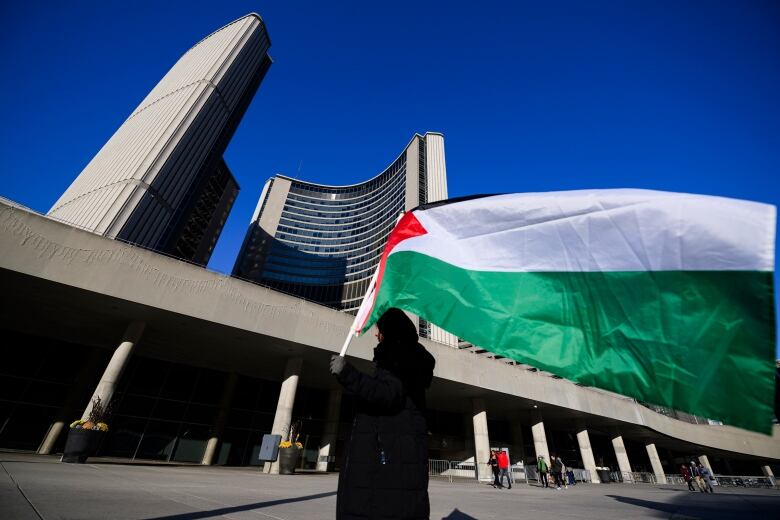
747, 481
529, 473
439, 468
455, 469
675, 479
641, 477
452, 470
519, 473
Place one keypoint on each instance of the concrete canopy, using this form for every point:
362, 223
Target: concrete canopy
67, 283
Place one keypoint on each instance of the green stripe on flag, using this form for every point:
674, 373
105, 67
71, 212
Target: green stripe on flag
701, 342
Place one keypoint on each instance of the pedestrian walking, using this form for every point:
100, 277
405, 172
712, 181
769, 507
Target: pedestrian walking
385, 469
706, 477
685, 473
503, 468
564, 480
557, 469
493, 462
541, 467
697, 477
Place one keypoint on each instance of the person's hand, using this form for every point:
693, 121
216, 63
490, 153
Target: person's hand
337, 364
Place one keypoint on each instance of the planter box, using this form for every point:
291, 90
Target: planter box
288, 460
81, 444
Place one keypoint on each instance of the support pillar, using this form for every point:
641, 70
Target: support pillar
586, 452
622, 458
655, 462
113, 372
481, 440
540, 440
87, 373
283, 416
767, 471
219, 423
330, 432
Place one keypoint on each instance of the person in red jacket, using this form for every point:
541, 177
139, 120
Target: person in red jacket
503, 468
685, 473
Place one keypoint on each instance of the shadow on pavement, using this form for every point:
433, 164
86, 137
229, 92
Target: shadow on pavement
458, 515
658, 506
236, 509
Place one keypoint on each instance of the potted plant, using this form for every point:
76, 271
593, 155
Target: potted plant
290, 450
85, 436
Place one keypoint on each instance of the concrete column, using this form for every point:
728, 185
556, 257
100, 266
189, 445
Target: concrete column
330, 432
540, 440
705, 461
87, 373
113, 372
586, 452
481, 440
767, 471
622, 457
283, 416
655, 461
219, 423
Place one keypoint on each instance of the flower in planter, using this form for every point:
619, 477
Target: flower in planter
289, 444
292, 436
97, 416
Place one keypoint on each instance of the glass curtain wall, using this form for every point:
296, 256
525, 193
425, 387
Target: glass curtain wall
330, 238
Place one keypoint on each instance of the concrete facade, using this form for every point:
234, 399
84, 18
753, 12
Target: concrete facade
283, 417
621, 455
481, 440
324, 242
540, 441
586, 452
112, 374
160, 181
655, 462
200, 318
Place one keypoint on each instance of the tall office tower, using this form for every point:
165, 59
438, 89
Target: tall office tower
160, 181
323, 242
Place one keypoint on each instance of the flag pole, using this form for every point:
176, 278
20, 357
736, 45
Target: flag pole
371, 286
353, 329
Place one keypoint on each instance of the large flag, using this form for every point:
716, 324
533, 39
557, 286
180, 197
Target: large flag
664, 297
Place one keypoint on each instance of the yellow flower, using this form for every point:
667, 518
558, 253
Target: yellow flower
289, 444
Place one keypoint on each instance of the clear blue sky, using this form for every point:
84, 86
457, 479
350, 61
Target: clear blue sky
531, 96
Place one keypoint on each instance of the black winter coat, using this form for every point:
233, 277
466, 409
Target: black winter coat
385, 469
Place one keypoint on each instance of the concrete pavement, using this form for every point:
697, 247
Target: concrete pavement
34, 487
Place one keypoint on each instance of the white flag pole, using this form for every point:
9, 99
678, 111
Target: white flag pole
365, 305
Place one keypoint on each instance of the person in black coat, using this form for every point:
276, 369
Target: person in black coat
385, 469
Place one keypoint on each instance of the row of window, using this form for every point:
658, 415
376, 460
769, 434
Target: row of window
345, 271
290, 236
343, 207
339, 218
347, 192
293, 235
281, 256
395, 203
358, 268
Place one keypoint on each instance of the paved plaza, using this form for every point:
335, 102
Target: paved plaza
33, 487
